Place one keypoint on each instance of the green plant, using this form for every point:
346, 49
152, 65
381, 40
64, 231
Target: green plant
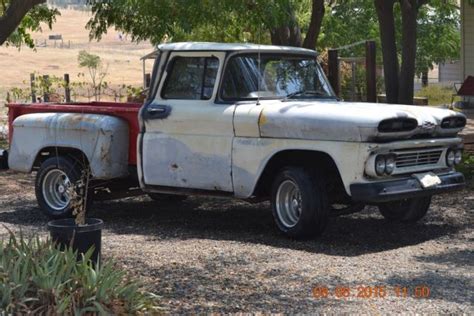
97, 71
19, 94
49, 85
360, 87
436, 94
467, 167
38, 278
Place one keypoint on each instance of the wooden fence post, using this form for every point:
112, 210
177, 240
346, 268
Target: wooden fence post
33, 88
46, 92
333, 70
371, 72
67, 89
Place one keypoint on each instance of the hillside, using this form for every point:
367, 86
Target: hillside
121, 56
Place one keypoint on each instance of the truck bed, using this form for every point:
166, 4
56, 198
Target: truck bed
126, 111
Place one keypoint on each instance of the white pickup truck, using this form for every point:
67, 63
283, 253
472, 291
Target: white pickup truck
243, 121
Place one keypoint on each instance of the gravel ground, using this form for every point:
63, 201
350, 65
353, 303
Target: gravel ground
210, 255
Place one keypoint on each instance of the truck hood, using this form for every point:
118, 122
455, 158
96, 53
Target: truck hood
348, 121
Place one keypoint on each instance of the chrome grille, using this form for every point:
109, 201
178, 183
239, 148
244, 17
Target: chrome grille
418, 158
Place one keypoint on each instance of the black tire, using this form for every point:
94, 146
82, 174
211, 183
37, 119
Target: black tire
167, 198
72, 170
313, 203
408, 211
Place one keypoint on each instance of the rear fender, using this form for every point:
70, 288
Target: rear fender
103, 139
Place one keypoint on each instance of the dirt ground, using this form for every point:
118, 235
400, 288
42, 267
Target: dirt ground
210, 255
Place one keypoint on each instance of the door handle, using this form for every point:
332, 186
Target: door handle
158, 111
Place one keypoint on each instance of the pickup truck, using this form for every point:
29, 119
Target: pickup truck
251, 122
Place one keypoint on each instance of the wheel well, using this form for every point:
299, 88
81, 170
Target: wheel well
49, 152
308, 159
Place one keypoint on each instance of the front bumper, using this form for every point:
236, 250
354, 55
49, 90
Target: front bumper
392, 190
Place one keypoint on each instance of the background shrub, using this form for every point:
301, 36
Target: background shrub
467, 168
437, 94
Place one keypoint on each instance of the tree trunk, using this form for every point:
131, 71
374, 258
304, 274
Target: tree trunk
409, 10
13, 15
386, 19
289, 34
317, 15
286, 36
424, 78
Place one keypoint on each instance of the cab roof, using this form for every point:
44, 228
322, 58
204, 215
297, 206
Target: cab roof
204, 46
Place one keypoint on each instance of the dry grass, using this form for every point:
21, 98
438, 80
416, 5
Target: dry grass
123, 57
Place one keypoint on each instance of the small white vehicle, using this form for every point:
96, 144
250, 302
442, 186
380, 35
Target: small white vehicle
244, 121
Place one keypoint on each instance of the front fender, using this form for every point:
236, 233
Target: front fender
102, 138
251, 155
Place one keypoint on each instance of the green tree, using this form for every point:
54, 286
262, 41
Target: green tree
427, 33
437, 37
412, 34
20, 17
97, 71
281, 22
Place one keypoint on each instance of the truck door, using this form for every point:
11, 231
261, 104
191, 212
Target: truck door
188, 137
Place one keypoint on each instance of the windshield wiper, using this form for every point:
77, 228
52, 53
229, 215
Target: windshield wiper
305, 92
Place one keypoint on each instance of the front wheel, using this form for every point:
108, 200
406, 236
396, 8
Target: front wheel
54, 181
299, 203
409, 210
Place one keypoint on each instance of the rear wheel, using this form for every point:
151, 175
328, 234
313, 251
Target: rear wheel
409, 210
299, 203
53, 185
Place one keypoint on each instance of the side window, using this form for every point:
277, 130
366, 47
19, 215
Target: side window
191, 78
154, 78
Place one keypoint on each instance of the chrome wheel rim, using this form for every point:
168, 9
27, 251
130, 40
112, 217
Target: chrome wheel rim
289, 203
55, 189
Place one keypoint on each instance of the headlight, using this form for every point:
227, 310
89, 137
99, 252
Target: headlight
453, 122
380, 165
389, 164
458, 157
450, 157
397, 125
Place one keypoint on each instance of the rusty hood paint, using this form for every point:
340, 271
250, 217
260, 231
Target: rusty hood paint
346, 121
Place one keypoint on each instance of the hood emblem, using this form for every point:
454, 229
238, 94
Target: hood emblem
428, 126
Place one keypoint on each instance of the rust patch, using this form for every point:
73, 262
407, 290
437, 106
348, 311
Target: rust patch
104, 154
262, 119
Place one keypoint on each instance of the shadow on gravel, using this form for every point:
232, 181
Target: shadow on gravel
443, 286
224, 284
462, 258
217, 219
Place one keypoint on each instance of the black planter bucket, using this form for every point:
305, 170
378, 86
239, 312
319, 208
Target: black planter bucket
65, 233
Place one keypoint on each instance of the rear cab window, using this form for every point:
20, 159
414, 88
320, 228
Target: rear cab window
191, 78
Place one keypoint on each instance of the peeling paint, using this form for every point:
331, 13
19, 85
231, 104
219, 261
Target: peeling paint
263, 119
102, 138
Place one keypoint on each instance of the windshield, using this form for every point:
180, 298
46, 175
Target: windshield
274, 76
